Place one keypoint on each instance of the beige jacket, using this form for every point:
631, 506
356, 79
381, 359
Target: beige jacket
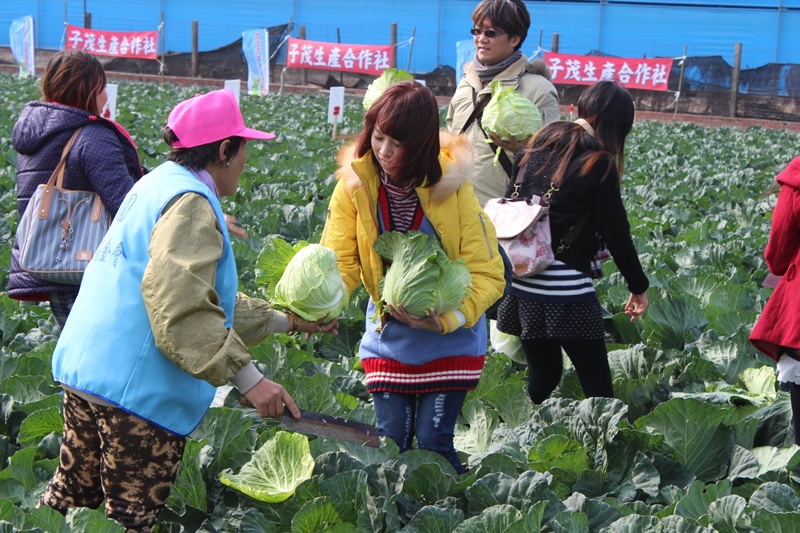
531, 80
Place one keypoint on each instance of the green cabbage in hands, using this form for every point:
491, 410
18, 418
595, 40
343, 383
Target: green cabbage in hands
388, 77
421, 277
275, 470
304, 279
509, 115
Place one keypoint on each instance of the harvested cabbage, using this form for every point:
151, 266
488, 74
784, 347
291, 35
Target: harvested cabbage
421, 277
511, 345
509, 114
275, 470
388, 77
308, 279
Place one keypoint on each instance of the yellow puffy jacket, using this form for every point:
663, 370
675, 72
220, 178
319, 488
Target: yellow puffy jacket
451, 207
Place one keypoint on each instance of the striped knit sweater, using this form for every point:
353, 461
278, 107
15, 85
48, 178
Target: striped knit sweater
449, 373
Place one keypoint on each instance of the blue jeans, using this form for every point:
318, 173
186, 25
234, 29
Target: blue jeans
430, 417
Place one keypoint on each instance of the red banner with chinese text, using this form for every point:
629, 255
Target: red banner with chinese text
360, 58
648, 74
133, 44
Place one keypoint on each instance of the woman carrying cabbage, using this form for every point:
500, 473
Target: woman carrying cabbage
499, 30
403, 175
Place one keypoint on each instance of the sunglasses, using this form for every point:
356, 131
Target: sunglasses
488, 33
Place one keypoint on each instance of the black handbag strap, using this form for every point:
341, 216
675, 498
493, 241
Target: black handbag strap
477, 111
572, 234
571, 169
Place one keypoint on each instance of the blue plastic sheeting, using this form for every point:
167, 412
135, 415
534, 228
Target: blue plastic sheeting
769, 30
771, 4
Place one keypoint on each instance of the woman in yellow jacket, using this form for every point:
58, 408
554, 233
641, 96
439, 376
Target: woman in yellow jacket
404, 174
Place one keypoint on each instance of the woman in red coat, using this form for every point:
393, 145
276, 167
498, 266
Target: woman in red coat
777, 332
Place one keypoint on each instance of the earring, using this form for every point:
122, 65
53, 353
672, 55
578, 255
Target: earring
227, 163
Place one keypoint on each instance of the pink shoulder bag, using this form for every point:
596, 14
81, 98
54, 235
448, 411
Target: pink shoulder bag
523, 227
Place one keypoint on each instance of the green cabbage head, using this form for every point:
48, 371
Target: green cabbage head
509, 114
388, 77
421, 277
303, 278
275, 470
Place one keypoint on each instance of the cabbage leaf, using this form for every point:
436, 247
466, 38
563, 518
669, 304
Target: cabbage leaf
388, 77
275, 470
272, 261
421, 277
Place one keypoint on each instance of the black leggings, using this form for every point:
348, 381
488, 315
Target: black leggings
545, 366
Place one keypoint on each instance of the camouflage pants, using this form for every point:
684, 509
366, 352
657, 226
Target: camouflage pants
109, 454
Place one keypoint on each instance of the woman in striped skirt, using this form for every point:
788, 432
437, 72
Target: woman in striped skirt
558, 308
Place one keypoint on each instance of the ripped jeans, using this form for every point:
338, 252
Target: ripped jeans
431, 417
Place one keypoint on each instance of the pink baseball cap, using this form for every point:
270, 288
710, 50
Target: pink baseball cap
210, 117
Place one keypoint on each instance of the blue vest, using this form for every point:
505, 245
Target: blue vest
107, 348
413, 346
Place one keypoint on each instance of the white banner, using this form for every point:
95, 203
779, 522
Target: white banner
255, 45
21, 34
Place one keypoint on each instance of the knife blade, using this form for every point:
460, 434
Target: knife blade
334, 427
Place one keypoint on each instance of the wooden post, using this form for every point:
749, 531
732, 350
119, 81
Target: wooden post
393, 42
302, 35
680, 83
195, 56
554, 46
87, 21
737, 65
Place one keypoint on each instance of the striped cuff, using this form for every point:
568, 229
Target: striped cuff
452, 320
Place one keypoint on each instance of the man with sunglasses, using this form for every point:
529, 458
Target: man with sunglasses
499, 29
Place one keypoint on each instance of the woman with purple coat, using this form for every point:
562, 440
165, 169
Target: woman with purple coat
103, 159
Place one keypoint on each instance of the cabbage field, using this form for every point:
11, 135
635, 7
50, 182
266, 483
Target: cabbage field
698, 439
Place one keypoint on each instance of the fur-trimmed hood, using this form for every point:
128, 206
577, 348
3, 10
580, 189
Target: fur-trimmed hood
539, 66
455, 156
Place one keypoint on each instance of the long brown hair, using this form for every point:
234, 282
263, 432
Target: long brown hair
609, 110
74, 78
408, 113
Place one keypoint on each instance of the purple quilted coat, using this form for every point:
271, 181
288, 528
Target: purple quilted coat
103, 159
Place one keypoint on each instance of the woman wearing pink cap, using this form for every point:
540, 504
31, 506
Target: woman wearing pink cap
158, 325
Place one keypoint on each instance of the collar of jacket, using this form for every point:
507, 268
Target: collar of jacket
509, 76
455, 157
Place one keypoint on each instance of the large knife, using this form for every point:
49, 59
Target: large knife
332, 427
